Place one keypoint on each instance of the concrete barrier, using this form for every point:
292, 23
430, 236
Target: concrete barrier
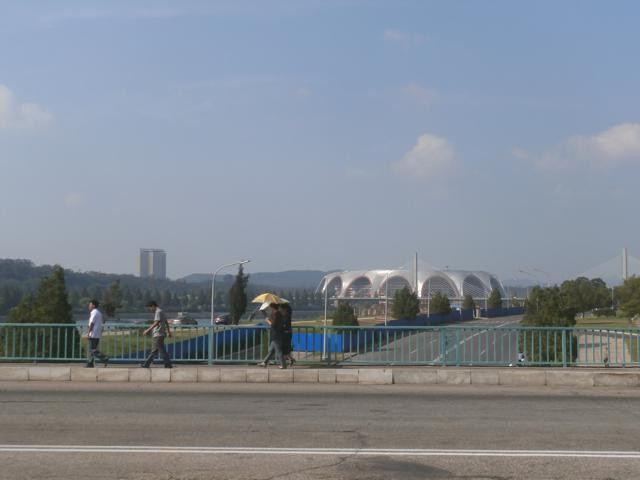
306, 375
375, 376
327, 375
615, 380
347, 375
50, 374
208, 374
277, 375
485, 377
569, 379
139, 374
257, 375
184, 375
454, 376
113, 374
233, 375
80, 374
160, 375
516, 377
415, 377
14, 374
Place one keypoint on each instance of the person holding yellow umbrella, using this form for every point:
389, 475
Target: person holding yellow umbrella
271, 303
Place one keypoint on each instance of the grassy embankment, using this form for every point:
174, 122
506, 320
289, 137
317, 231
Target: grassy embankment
115, 343
632, 340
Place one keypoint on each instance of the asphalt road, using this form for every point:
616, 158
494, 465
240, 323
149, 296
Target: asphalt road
171, 431
470, 344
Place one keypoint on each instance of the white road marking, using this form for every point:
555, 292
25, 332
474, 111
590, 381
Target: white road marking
320, 451
466, 339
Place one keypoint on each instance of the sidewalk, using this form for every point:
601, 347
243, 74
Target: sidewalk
515, 376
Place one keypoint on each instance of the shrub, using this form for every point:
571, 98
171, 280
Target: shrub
345, 316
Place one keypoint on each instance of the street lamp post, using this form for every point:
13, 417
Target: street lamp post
386, 299
326, 306
213, 285
546, 274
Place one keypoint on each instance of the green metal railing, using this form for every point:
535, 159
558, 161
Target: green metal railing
446, 345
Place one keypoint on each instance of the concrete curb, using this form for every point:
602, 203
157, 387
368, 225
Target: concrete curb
525, 377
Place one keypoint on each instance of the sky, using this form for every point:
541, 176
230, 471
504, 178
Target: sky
497, 135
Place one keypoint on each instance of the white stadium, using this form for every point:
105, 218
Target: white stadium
381, 284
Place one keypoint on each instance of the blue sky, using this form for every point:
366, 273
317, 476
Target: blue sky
330, 134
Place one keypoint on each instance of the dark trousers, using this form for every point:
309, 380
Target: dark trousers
158, 346
275, 348
94, 352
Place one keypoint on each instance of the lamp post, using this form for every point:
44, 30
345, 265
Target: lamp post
546, 274
429, 297
213, 285
386, 299
326, 302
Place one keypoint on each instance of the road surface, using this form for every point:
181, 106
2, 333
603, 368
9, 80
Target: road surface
270, 431
473, 345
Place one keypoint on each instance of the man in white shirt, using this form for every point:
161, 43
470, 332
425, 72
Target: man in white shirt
94, 334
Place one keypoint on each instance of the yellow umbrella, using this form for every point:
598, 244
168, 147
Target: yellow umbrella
267, 298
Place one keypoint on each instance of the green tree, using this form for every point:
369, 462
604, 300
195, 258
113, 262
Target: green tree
549, 307
49, 305
25, 312
583, 295
74, 299
166, 299
468, 302
127, 298
344, 315
10, 296
112, 300
405, 304
440, 304
495, 299
238, 296
628, 295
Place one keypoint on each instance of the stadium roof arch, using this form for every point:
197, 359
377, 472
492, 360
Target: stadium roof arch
454, 284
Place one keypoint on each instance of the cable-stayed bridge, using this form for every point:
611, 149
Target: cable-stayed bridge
615, 269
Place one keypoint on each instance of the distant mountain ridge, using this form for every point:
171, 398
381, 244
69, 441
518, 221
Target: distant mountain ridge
287, 279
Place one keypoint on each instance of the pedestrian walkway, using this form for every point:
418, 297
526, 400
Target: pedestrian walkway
598, 349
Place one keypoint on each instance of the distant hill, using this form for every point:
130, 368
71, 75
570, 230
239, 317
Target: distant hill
288, 279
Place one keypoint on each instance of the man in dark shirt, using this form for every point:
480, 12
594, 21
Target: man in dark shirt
160, 329
275, 320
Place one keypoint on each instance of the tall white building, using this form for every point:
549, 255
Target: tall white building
152, 263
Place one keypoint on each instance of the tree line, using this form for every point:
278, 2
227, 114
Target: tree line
20, 278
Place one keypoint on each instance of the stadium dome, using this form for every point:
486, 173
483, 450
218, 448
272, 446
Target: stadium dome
374, 284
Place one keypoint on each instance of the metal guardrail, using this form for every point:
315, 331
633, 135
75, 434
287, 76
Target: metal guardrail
375, 345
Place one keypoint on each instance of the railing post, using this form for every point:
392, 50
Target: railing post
443, 347
326, 345
210, 352
564, 347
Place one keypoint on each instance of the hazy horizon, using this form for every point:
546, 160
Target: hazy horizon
320, 135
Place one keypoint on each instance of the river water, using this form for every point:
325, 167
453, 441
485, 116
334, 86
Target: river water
203, 318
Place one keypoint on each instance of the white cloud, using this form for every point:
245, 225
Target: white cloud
421, 95
431, 157
617, 145
405, 38
18, 117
